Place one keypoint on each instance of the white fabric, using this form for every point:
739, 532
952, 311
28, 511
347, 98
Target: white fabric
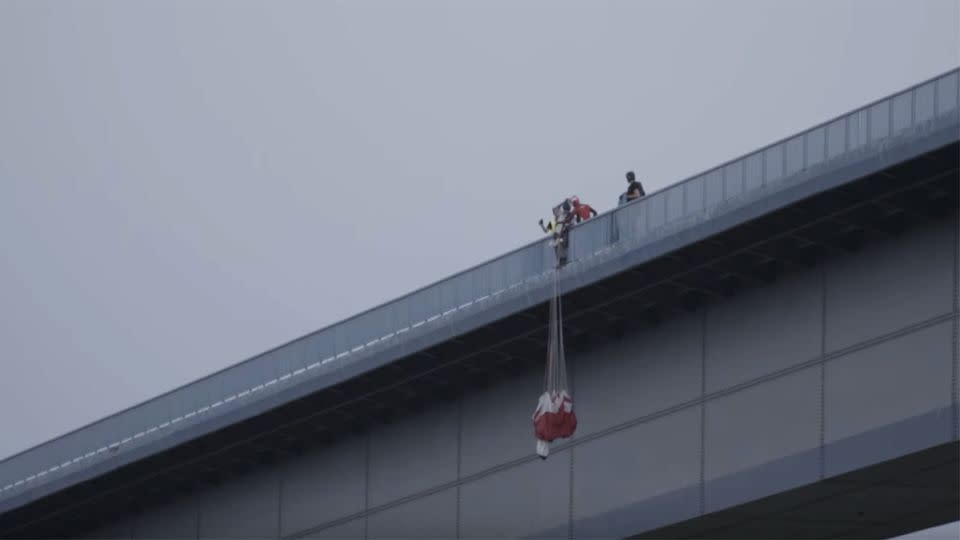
543, 448
546, 405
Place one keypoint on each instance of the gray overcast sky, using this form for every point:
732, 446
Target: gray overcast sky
186, 184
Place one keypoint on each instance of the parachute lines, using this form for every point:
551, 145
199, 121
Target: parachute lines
554, 417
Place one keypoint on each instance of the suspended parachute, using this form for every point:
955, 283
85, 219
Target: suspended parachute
554, 417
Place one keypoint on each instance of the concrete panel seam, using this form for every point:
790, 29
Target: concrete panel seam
279, 505
703, 413
459, 462
570, 499
631, 423
906, 330
823, 372
956, 331
573, 386
376, 509
366, 484
427, 492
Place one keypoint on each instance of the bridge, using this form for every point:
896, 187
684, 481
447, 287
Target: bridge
766, 349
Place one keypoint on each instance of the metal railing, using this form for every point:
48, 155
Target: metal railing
923, 108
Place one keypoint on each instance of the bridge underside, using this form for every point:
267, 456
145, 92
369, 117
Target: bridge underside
889, 499
790, 239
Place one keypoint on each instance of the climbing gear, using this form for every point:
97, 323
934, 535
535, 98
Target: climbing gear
563, 216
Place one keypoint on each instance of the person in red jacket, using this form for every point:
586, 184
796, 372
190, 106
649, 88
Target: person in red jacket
582, 211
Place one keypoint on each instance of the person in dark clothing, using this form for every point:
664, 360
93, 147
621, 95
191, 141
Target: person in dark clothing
634, 188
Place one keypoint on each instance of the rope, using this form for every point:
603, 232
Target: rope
555, 378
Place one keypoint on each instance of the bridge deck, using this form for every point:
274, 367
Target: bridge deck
462, 316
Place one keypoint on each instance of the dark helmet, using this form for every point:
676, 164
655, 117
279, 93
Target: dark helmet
630, 176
